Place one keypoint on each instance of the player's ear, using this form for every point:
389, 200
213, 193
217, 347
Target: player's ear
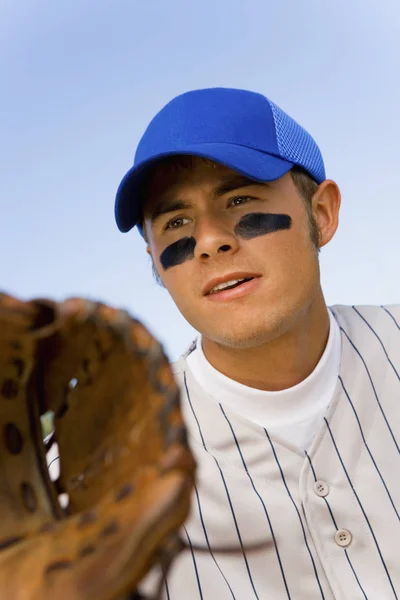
325, 206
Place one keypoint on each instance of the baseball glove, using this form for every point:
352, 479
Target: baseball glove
125, 466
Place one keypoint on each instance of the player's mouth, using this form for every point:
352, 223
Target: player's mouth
231, 286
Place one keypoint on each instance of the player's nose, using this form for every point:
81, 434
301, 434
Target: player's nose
214, 237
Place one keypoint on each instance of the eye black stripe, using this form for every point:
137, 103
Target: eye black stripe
256, 224
178, 252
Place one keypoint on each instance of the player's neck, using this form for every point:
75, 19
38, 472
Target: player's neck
279, 364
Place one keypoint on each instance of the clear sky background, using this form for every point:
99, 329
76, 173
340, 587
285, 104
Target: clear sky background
80, 79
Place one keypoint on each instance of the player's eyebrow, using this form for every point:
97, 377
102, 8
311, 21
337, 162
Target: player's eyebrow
235, 182
163, 208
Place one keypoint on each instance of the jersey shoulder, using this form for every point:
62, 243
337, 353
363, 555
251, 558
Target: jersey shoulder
359, 322
389, 313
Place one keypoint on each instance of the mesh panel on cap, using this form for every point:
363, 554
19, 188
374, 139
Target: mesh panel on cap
296, 145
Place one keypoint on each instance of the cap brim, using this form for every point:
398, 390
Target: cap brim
251, 163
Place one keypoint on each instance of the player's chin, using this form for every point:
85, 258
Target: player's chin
242, 334
239, 325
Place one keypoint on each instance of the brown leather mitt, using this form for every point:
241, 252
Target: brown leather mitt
124, 462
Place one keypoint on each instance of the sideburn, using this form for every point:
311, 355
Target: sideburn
313, 227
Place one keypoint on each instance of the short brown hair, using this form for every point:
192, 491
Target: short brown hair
307, 186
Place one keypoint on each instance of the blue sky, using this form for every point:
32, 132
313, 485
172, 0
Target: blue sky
82, 78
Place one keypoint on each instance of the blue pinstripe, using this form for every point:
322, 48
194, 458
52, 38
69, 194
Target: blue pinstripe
368, 449
194, 564
373, 387
337, 528
52, 461
362, 510
226, 490
298, 513
379, 339
208, 542
390, 315
237, 529
262, 502
166, 589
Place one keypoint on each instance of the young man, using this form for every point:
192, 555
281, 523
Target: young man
292, 409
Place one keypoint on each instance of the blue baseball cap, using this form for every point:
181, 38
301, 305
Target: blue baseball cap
239, 129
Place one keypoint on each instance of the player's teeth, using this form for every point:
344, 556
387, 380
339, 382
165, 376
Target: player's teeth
225, 284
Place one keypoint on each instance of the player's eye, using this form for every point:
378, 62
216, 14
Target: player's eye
237, 200
176, 222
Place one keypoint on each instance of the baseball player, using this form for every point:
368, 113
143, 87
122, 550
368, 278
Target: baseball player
292, 407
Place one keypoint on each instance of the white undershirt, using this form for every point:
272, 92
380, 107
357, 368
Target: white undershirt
293, 414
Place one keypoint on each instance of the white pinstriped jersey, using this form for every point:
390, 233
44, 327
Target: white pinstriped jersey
269, 522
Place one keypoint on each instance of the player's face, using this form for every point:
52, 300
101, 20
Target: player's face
236, 256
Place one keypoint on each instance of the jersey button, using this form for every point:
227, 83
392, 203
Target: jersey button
321, 488
343, 538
